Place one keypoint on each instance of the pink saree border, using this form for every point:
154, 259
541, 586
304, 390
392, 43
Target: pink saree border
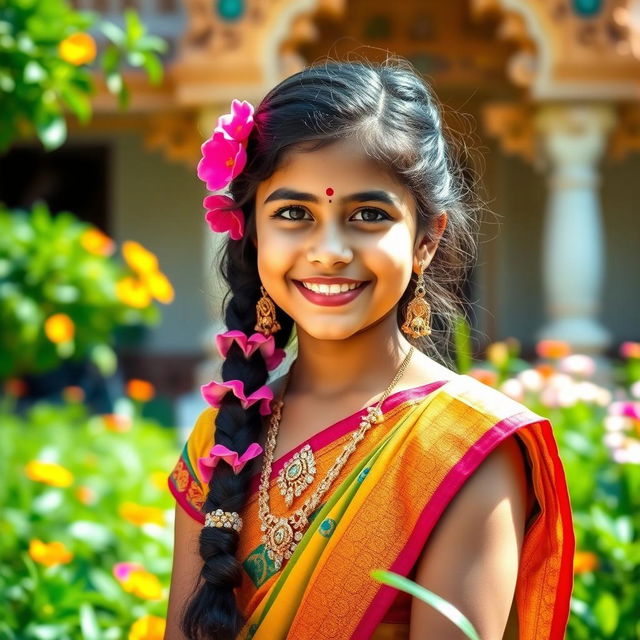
338, 429
443, 495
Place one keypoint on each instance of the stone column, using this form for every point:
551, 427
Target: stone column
572, 139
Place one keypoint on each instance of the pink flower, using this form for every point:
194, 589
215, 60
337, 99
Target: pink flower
222, 160
237, 124
272, 356
220, 452
630, 349
121, 570
213, 392
224, 215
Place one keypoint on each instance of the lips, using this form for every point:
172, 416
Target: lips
331, 299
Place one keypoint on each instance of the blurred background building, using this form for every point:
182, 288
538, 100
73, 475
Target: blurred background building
546, 91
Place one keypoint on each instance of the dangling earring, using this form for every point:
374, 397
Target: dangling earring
416, 320
266, 322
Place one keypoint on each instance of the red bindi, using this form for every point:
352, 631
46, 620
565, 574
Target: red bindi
329, 191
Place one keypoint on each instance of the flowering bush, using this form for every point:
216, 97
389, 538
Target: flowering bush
62, 293
86, 529
598, 435
45, 53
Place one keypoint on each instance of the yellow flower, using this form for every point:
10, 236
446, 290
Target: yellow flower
132, 292
117, 423
585, 561
148, 628
498, 354
86, 495
159, 480
159, 287
143, 584
139, 514
49, 473
59, 328
140, 390
50, 554
138, 258
77, 49
97, 243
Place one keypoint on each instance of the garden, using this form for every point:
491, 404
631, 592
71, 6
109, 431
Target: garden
86, 526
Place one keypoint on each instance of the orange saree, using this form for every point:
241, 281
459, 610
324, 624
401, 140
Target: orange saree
408, 468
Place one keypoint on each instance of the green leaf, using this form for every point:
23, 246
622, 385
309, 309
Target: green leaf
606, 613
52, 131
153, 66
34, 73
438, 603
89, 622
133, 26
114, 82
78, 102
114, 33
462, 340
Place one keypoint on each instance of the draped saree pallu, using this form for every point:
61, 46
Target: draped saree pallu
382, 509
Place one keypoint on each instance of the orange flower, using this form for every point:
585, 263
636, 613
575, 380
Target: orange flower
485, 376
585, 561
117, 423
49, 473
15, 387
86, 495
159, 287
143, 584
140, 390
139, 514
553, 349
148, 628
59, 328
97, 243
77, 49
630, 350
50, 554
545, 370
138, 258
73, 394
132, 292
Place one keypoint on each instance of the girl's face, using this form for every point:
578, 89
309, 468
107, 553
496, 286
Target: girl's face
334, 217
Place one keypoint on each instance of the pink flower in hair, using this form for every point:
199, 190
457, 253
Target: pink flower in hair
266, 344
222, 160
220, 452
214, 392
237, 125
224, 215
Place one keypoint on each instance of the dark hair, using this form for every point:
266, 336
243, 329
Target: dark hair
391, 111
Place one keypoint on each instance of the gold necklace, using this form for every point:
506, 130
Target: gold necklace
281, 535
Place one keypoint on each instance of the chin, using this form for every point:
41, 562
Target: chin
327, 332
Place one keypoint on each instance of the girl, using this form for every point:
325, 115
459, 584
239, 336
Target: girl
348, 223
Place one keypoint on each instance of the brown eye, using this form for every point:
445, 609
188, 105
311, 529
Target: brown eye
296, 213
372, 215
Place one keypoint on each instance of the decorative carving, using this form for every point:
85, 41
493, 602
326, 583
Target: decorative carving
512, 124
571, 55
176, 135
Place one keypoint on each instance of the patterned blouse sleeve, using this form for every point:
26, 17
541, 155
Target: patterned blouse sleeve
185, 482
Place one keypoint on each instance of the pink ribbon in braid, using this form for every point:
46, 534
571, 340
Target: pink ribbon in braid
219, 452
213, 392
258, 341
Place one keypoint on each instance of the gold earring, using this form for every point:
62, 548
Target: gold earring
266, 322
416, 320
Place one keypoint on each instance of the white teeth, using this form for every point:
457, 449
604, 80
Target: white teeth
330, 289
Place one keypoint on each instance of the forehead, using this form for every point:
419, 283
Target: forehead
342, 166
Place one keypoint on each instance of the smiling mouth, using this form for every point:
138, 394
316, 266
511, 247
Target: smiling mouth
331, 289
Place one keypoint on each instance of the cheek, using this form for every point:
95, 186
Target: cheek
393, 261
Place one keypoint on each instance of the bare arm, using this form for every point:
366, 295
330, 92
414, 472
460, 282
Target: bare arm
472, 556
187, 565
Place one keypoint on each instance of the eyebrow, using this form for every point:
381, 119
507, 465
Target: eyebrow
284, 193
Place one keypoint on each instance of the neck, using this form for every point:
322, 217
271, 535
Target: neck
366, 361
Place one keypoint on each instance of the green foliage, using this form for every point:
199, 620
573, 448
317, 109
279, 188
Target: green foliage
38, 81
81, 598
45, 270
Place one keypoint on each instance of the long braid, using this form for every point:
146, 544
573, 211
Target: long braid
213, 613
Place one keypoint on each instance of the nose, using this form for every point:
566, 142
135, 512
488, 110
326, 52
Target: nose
328, 247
